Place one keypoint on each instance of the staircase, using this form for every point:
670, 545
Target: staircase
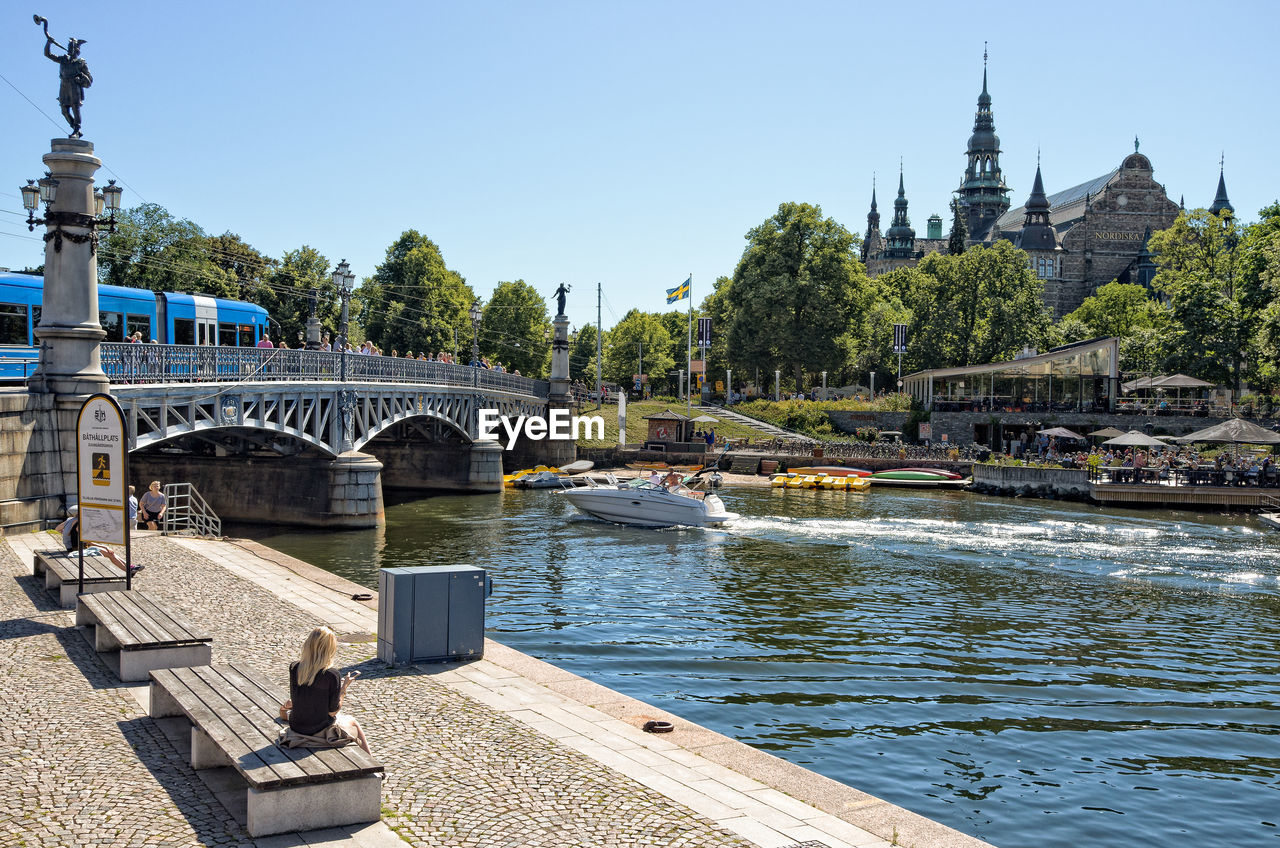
187, 513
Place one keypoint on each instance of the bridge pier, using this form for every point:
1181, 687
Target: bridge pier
343, 492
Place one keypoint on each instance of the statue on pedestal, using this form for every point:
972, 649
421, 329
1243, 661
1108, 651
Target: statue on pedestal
74, 74
560, 295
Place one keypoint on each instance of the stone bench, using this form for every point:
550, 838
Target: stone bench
234, 717
61, 570
138, 635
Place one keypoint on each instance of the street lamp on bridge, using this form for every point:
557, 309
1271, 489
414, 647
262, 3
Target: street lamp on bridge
345, 282
46, 191
476, 314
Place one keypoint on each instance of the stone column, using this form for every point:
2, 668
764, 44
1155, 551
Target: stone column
70, 366
560, 361
69, 332
355, 492
486, 467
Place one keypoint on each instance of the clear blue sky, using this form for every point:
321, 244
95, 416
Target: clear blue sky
629, 144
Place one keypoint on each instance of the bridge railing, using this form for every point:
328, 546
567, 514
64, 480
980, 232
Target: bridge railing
133, 364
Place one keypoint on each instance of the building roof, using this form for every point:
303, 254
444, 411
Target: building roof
1064, 206
667, 415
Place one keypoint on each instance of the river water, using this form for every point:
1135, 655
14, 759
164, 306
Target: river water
1030, 672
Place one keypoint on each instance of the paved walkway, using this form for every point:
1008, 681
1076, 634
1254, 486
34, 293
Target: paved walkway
505, 751
763, 426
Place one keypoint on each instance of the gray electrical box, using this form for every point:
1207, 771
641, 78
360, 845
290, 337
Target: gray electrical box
430, 613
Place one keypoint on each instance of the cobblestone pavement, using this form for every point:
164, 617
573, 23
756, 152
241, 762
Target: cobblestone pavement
81, 763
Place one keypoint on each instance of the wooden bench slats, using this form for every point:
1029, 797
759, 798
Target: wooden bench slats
136, 620
350, 758
237, 709
66, 565
257, 756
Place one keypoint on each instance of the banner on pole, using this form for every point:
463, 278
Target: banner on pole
102, 474
899, 338
704, 332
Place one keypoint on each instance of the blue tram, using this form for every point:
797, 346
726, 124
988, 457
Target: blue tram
164, 317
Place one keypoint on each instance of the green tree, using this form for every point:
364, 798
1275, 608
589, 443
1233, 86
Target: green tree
1214, 306
413, 302
959, 231
286, 294
623, 348
515, 329
582, 355
1117, 309
796, 291
151, 249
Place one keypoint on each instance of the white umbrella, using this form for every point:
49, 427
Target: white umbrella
1135, 439
706, 419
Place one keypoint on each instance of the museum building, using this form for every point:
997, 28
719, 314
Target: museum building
1076, 240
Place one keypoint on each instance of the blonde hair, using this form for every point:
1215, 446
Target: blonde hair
317, 654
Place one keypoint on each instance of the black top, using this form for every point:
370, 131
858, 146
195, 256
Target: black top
312, 704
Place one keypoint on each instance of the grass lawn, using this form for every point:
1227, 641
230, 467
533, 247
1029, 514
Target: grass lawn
638, 428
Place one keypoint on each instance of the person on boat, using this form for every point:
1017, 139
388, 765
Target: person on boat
655, 478
672, 480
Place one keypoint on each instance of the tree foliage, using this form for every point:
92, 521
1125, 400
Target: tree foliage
795, 293
515, 329
287, 290
623, 348
413, 302
151, 249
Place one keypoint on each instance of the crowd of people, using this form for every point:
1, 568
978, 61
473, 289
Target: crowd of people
1165, 464
368, 348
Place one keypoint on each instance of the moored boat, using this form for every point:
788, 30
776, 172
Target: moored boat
918, 478
1270, 519
833, 471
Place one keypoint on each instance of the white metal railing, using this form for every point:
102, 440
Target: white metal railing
187, 513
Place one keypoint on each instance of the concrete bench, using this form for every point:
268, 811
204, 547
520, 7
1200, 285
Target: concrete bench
138, 635
61, 570
234, 722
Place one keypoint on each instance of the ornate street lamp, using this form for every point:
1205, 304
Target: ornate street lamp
46, 191
345, 282
476, 315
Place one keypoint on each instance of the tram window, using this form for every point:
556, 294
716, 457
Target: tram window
246, 335
113, 323
35, 315
13, 324
184, 331
227, 335
139, 324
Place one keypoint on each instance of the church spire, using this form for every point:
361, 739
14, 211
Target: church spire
983, 192
901, 237
1037, 233
1220, 201
872, 242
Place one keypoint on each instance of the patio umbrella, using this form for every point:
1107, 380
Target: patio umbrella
1135, 439
706, 419
1181, 381
1062, 433
1235, 431
1108, 432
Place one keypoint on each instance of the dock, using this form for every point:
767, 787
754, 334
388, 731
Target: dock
506, 750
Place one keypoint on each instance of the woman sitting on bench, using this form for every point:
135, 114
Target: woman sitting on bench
315, 698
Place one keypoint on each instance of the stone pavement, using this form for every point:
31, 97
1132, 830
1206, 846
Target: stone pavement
505, 751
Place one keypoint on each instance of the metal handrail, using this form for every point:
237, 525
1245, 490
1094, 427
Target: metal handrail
188, 513
133, 364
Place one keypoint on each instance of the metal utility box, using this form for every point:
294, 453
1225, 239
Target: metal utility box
430, 613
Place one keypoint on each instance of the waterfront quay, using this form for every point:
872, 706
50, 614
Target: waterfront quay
504, 751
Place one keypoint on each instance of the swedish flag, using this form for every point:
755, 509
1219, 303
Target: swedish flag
680, 292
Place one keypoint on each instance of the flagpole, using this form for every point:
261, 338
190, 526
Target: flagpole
688, 397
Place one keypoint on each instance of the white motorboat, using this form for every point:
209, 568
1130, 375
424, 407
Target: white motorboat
545, 480
1270, 519
642, 503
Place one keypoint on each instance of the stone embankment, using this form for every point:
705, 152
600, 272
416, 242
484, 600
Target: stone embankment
1024, 481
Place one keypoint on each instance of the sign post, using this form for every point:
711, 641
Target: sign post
900, 347
102, 479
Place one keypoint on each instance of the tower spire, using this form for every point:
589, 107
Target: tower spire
1220, 201
983, 194
900, 237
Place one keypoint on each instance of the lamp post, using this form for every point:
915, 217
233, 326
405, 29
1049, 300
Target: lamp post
345, 282
824, 385
476, 314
